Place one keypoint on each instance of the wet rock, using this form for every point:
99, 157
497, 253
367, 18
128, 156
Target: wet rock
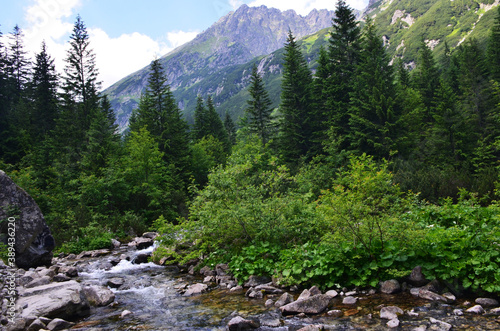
284, 299
98, 295
209, 279
431, 296
416, 277
486, 302
254, 294
99, 252
150, 235
335, 313
312, 305
332, 294
61, 278
494, 312
114, 260
115, 243
47, 272
390, 312
390, 287
141, 243
206, 271
349, 301
350, 293
34, 242
433, 286
304, 295
222, 269
393, 323
18, 325
269, 303
458, 312
36, 325
69, 271
442, 326
195, 289
311, 328
477, 309
238, 323
236, 289
140, 258
256, 280
125, 313
270, 322
63, 300
59, 324
268, 289
449, 297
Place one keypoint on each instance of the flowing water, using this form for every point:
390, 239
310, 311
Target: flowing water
151, 293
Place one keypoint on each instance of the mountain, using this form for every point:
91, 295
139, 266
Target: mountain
403, 24
234, 40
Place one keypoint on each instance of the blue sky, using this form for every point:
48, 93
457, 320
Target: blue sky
127, 34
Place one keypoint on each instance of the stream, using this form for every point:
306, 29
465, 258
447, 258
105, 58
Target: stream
151, 293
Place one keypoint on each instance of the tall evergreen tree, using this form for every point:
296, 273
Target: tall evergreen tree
19, 65
343, 51
3, 98
493, 52
372, 110
230, 128
200, 119
259, 108
45, 100
296, 103
426, 77
215, 126
319, 125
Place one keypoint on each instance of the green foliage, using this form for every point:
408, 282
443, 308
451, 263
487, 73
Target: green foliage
91, 237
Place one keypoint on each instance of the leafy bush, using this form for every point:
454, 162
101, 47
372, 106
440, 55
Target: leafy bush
91, 237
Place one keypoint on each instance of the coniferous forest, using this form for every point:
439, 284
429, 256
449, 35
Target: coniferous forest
365, 170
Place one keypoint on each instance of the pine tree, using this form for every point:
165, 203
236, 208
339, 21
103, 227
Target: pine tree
343, 54
3, 98
319, 126
215, 126
200, 119
19, 65
296, 102
259, 108
372, 108
426, 77
493, 52
230, 128
45, 101
80, 82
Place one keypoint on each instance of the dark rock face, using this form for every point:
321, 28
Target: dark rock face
34, 242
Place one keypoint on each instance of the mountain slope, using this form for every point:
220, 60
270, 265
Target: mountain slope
234, 40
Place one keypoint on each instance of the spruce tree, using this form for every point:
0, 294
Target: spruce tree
372, 108
319, 125
426, 77
200, 119
19, 65
296, 103
215, 126
493, 51
343, 51
259, 108
230, 128
45, 100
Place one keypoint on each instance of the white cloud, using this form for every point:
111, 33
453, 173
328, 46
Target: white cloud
302, 7
178, 38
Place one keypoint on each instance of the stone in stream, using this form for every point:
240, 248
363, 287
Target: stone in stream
477, 309
195, 289
256, 280
442, 326
238, 323
429, 295
332, 293
312, 305
487, 302
140, 258
284, 299
416, 277
59, 324
36, 325
390, 312
349, 301
34, 242
390, 287
98, 295
393, 323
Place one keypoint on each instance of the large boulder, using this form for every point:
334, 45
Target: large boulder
62, 300
34, 242
311, 305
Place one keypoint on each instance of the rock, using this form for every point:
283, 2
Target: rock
140, 258
268, 289
486, 302
18, 325
142, 243
390, 287
61, 278
150, 235
63, 300
206, 271
390, 312
115, 243
350, 293
393, 323
450, 297
458, 312
222, 269
69, 271
314, 290
99, 252
36, 325
349, 301
312, 305
256, 280
311, 328
59, 324
416, 277
238, 323
433, 286
335, 313
34, 242
494, 312
270, 322
125, 313
47, 272
253, 294
269, 303
284, 299
195, 289
477, 309
442, 326
114, 260
428, 295
236, 289
38, 282
98, 295
332, 293
304, 295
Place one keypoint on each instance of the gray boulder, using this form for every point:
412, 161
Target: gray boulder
98, 295
59, 324
312, 305
487, 302
256, 280
195, 289
390, 287
390, 312
416, 277
34, 242
63, 300
284, 299
238, 323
